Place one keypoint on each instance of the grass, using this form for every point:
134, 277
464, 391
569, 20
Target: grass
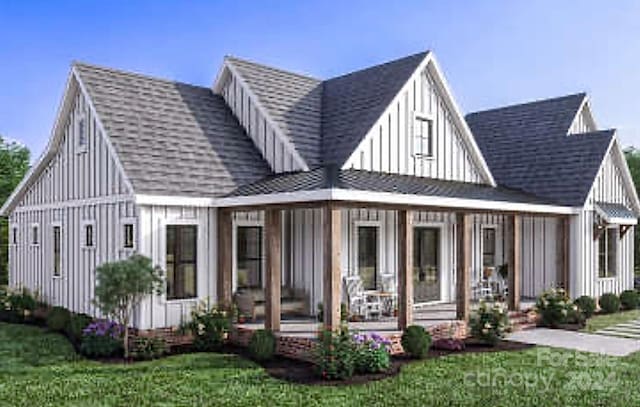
599, 322
41, 369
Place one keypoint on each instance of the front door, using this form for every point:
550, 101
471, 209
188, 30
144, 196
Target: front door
426, 264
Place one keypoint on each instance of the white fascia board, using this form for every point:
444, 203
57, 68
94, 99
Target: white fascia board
277, 198
626, 176
584, 105
172, 200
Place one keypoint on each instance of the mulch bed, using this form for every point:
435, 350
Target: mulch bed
295, 371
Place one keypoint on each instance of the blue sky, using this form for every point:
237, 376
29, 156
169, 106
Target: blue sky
493, 52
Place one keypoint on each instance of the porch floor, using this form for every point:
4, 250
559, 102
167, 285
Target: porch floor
425, 316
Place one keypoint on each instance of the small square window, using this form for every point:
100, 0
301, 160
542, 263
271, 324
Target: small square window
128, 236
423, 137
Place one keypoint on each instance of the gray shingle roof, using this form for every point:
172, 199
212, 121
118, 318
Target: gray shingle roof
360, 180
527, 147
613, 210
293, 102
326, 120
172, 138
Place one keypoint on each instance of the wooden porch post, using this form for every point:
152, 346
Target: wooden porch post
463, 271
225, 249
273, 257
515, 263
562, 249
405, 269
332, 280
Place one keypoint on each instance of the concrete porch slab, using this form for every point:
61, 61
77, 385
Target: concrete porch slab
557, 338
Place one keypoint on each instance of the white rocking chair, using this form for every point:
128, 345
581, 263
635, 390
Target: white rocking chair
360, 303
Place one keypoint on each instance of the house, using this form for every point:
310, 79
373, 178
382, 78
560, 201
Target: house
285, 183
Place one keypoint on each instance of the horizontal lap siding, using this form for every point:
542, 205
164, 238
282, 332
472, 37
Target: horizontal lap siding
76, 187
388, 146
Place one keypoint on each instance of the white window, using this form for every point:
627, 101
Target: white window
82, 134
128, 236
35, 234
608, 252
422, 136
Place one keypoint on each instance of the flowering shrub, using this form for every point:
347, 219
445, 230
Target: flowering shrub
489, 323
17, 305
335, 354
555, 308
371, 353
210, 326
101, 339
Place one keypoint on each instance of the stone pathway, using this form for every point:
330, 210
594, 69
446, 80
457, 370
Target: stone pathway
625, 330
594, 343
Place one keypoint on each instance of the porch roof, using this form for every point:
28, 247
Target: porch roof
614, 213
331, 183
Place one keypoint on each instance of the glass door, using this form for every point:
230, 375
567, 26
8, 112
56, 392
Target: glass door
426, 264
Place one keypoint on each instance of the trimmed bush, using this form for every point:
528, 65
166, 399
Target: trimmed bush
335, 355
416, 342
147, 348
586, 306
489, 323
609, 303
58, 319
77, 324
629, 299
262, 345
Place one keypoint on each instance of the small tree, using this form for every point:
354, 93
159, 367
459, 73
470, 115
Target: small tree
122, 285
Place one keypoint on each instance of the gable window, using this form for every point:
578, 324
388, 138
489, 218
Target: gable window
488, 247
608, 253
128, 238
422, 136
35, 234
181, 261
368, 256
57, 258
249, 257
89, 240
82, 134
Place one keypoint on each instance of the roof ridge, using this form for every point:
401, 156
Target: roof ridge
134, 74
423, 53
301, 75
528, 103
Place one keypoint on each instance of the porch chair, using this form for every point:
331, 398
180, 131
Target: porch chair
360, 303
481, 290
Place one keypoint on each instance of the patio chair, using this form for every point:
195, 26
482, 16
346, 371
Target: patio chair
481, 290
361, 303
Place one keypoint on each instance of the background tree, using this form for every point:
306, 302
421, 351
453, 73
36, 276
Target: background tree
14, 164
633, 161
122, 285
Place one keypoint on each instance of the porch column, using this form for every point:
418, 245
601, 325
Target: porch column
332, 279
225, 249
562, 250
515, 263
405, 269
463, 270
273, 257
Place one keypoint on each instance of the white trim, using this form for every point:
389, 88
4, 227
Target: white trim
74, 203
162, 229
83, 234
606, 257
445, 285
494, 227
584, 104
286, 142
423, 117
32, 226
81, 148
121, 238
172, 200
277, 198
234, 248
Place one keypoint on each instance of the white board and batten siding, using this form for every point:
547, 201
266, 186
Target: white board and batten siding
77, 187
258, 127
608, 187
389, 145
583, 122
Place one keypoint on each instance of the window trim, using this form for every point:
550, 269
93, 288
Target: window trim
121, 234
181, 222
357, 224
35, 242
82, 147
83, 234
234, 252
57, 224
495, 249
605, 236
424, 117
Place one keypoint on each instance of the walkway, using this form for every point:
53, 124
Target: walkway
558, 338
629, 330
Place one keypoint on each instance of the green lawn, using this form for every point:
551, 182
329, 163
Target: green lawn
37, 368
598, 322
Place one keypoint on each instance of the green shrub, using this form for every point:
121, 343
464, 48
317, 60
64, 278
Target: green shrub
77, 324
147, 348
335, 355
586, 306
416, 342
102, 339
555, 307
58, 319
372, 353
609, 303
629, 299
17, 305
210, 326
489, 323
262, 345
